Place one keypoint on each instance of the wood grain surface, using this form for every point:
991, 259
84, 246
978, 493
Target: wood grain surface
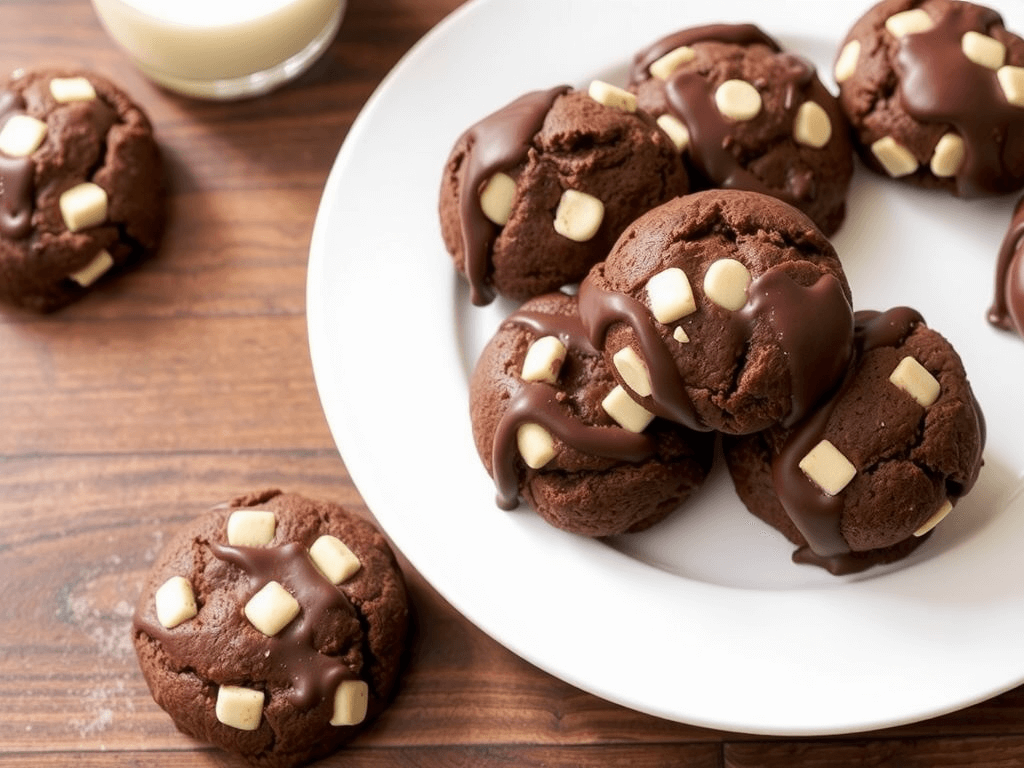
188, 381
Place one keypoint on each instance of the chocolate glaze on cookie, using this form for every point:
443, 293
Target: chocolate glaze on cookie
1007, 310
16, 190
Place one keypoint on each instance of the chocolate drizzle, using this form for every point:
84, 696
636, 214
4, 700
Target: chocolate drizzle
1007, 310
939, 84
16, 179
499, 142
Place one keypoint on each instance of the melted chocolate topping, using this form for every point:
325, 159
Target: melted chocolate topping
499, 142
1007, 310
541, 403
16, 179
941, 85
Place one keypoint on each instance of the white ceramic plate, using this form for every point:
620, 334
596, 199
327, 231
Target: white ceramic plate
703, 619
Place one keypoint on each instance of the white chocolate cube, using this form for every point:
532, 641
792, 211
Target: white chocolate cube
914, 379
909, 22
738, 100
334, 559
633, 371
612, 96
947, 156
828, 468
726, 283
579, 215
626, 412
238, 707
938, 517
680, 335
21, 135
94, 270
896, 159
496, 198
271, 609
812, 126
670, 296
983, 50
251, 527
543, 361
175, 602
676, 131
83, 206
66, 89
1011, 80
535, 445
846, 63
351, 700
671, 61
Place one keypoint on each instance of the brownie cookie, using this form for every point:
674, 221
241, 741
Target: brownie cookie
1007, 311
274, 627
81, 186
934, 90
536, 193
722, 310
867, 475
552, 426
748, 115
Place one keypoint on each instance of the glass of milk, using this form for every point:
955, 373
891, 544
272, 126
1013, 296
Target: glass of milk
222, 49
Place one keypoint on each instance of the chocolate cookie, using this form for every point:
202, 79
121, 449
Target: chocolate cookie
552, 426
867, 475
1007, 310
536, 193
274, 627
748, 115
722, 310
81, 186
934, 90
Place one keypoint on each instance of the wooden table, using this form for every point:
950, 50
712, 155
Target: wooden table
188, 381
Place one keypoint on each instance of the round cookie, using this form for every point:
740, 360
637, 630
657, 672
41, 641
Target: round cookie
551, 425
536, 193
749, 116
274, 627
1007, 310
866, 476
81, 186
934, 90
722, 310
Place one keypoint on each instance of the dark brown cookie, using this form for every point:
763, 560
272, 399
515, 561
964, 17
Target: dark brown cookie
536, 193
81, 186
723, 310
754, 117
934, 90
274, 627
1007, 310
866, 476
551, 425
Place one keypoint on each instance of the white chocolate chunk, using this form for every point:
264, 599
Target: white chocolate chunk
738, 100
726, 283
612, 96
65, 89
909, 22
175, 602
812, 126
680, 335
543, 361
671, 61
1011, 80
496, 198
633, 371
827, 468
21, 135
670, 295
626, 412
334, 559
983, 50
535, 444
351, 700
948, 155
94, 270
238, 707
846, 64
896, 159
84, 205
251, 527
938, 517
914, 379
676, 131
579, 215
271, 609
